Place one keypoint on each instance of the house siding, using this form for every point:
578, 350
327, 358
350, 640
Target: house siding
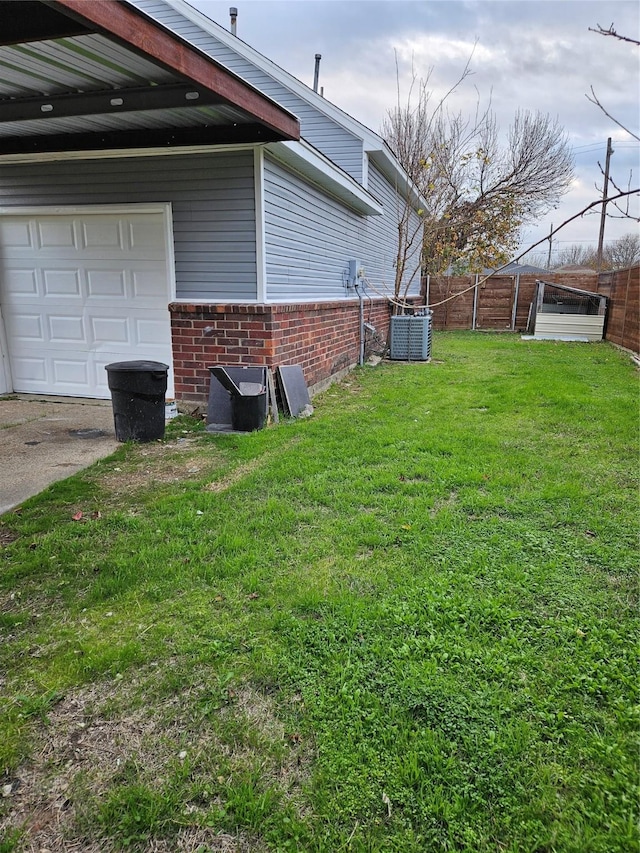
310, 237
384, 244
335, 142
212, 198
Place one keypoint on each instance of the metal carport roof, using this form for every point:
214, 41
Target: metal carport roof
79, 75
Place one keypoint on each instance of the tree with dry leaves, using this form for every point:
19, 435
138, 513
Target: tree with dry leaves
477, 191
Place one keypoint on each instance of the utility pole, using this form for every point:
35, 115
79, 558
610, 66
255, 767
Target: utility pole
550, 243
603, 215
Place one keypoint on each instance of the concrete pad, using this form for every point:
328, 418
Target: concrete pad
45, 439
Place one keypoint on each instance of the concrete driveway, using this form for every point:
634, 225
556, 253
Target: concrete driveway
47, 439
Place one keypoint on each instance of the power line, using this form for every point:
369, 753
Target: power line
593, 145
587, 149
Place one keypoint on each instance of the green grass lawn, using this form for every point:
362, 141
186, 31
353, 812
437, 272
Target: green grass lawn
406, 624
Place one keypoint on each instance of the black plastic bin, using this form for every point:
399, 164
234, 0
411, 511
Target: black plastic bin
248, 409
137, 394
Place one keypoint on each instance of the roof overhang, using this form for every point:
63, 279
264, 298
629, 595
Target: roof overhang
79, 75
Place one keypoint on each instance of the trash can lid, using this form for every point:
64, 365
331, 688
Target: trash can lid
137, 366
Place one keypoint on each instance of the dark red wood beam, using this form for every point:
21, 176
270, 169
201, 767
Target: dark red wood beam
134, 30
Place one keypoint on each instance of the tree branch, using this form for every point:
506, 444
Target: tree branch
594, 100
611, 32
538, 243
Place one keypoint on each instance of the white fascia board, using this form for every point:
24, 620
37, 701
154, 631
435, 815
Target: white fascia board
311, 164
372, 142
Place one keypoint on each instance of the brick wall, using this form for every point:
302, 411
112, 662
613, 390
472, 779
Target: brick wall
322, 337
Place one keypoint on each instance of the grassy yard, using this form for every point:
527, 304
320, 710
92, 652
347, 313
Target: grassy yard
406, 624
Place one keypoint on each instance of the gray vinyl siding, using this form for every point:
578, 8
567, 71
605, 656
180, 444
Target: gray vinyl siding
310, 238
212, 198
335, 142
386, 228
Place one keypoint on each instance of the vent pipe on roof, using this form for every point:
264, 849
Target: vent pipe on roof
234, 18
316, 73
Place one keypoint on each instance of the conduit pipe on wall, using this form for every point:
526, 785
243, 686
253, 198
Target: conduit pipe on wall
361, 300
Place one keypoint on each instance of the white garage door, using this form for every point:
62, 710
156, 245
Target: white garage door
79, 291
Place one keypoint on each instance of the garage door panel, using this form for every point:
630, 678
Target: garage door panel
71, 373
99, 374
143, 237
111, 332
30, 372
66, 329
79, 292
61, 282
101, 234
19, 283
18, 235
148, 331
144, 283
55, 232
107, 283
27, 327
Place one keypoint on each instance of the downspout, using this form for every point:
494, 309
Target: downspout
361, 299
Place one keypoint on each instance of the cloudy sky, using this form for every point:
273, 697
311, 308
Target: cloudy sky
528, 55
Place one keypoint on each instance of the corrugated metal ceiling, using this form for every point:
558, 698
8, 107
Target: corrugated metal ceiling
76, 75
93, 63
80, 64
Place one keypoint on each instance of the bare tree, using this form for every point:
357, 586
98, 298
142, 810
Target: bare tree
623, 252
577, 255
478, 192
418, 118
610, 31
617, 254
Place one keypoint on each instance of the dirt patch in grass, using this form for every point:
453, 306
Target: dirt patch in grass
444, 503
93, 740
7, 537
160, 463
235, 476
73, 741
259, 713
206, 841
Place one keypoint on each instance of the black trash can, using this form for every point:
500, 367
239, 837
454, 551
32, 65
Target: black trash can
137, 394
248, 409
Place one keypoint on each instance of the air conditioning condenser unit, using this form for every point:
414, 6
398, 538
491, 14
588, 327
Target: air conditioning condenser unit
410, 337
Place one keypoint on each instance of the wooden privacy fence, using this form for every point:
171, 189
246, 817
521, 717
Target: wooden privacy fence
623, 317
502, 303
